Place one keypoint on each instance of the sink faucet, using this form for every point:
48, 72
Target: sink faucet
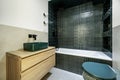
32, 36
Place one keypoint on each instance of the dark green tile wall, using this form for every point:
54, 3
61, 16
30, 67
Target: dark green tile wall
74, 63
52, 25
80, 27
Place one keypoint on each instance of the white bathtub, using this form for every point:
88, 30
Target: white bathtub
84, 53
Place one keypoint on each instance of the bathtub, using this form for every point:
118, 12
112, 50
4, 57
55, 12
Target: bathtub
72, 59
84, 53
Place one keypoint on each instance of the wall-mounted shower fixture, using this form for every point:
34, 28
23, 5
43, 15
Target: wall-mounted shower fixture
45, 23
45, 14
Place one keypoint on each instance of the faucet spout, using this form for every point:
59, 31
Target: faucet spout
34, 36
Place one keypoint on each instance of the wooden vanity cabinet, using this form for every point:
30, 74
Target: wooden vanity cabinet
25, 65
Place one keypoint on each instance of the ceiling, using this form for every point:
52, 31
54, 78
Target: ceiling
70, 3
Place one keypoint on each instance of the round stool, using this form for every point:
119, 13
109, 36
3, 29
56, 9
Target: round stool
98, 71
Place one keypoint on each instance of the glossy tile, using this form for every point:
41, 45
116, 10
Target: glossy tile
80, 27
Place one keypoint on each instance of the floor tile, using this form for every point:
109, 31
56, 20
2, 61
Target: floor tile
59, 74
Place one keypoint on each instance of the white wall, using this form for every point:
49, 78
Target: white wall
116, 36
24, 13
116, 13
11, 39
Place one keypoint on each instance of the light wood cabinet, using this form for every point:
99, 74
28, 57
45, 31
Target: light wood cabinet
24, 65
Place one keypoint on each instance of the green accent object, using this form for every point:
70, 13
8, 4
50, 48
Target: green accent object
99, 71
35, 46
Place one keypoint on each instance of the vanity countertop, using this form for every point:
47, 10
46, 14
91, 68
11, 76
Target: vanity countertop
22, 53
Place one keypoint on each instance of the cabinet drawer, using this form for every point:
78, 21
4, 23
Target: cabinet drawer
39, 70
28, 62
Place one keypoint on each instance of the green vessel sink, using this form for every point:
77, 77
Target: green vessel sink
35, 46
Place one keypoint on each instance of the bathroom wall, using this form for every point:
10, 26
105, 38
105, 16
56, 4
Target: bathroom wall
24, 13
18, 18
52, 25
116, 13
81, 27
116, 35
12, 38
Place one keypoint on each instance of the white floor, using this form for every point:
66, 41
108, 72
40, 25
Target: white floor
59, 74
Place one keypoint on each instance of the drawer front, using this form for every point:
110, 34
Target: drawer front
39, 70
28, 62
12, 67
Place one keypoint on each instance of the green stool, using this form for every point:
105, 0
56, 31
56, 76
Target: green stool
98, 71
